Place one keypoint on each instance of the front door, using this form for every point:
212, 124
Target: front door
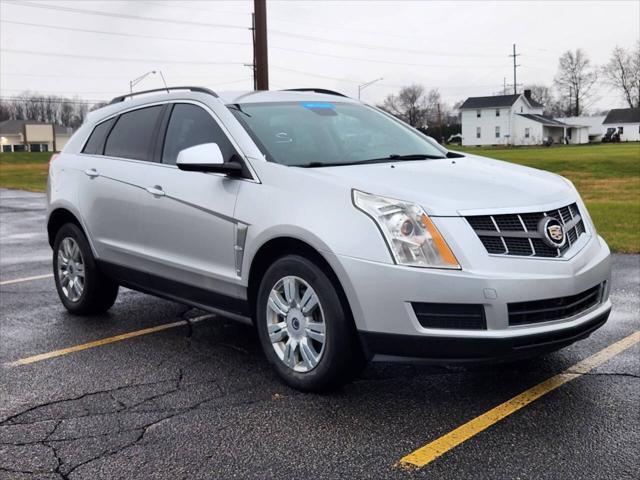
188, 222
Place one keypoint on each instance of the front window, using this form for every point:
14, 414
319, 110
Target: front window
497, 132
478, 113
478, 132
497, 112
316, 134
527, 133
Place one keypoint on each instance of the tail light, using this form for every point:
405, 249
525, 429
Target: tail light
53, 157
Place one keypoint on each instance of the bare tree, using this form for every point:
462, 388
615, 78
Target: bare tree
408, 105
45, 108
623, 74
553, 106
575, 78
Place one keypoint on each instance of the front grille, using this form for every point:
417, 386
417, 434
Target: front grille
461, 316
518, 235
523, 313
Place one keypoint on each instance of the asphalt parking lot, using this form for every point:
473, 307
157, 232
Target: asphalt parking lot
197, 400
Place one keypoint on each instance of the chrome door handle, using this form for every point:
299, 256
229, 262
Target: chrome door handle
91, 172
155, 190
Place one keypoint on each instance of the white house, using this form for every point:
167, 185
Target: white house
514, 120
626, 121
26, 136
593, 122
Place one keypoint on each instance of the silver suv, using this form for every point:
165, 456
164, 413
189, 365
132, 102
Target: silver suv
340, 232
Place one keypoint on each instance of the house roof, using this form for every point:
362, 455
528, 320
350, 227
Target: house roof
623, 115
496, 101
547, 121
14, 127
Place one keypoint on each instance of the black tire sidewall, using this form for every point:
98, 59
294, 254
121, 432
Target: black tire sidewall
72, 231
333, 364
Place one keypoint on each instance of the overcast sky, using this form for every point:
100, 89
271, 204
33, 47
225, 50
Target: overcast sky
461, 48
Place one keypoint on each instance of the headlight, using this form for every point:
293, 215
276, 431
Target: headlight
412, 237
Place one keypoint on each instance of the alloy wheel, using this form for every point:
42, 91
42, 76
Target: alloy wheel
70, 269
295, 323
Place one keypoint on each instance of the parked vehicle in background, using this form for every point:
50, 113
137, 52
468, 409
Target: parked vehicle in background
611, 135
341, 233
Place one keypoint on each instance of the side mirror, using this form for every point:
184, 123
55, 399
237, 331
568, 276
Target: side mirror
206, 157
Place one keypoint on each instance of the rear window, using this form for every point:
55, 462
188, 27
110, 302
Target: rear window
95, 144
132, 134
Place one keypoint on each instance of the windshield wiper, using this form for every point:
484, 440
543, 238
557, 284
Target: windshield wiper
390, 158
237, 108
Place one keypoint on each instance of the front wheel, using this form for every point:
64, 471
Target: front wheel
82, 288
303, 327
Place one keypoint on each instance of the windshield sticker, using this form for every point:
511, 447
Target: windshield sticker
314, 105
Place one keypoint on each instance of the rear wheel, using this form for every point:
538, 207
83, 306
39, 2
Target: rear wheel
82, 288
303, 327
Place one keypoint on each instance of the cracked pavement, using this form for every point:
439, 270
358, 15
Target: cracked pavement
199, 401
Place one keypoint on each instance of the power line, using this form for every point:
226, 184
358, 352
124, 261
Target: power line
207, 78
286, 49
120, 34
116, 59
110, 92
378, 47
52, 100
83, 11
315, 75
389, 62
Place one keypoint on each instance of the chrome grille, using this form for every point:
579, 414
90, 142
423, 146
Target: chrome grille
517, 234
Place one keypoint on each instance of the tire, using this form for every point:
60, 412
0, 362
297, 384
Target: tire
83, 291
292, 319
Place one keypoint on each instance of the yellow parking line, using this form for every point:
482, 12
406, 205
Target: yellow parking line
26, 279
103, 341
442, 445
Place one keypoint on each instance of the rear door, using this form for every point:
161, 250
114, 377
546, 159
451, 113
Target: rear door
118, 154
189, 225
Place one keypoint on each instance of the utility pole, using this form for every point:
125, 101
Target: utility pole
504, 88
260, 52
515, 83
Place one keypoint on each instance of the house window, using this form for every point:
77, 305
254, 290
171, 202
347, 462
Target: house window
477, 132
6, 148
620, 130
45, 147
497, 112
34, 147
521, 109
19, 148
497, 132
527, 132
478, 113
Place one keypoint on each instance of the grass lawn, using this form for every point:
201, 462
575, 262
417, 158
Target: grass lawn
607, 176
24, 170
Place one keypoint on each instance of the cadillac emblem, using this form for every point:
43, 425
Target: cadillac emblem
552, 232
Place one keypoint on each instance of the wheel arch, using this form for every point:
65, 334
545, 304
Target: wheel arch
281, 246
58, 218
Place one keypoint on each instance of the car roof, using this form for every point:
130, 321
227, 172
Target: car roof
269, 96
122, 103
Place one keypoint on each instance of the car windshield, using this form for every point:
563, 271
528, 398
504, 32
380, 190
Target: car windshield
318, 134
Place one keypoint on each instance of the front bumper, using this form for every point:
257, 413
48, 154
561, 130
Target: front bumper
381, 296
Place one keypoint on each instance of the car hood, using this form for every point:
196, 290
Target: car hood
455, 186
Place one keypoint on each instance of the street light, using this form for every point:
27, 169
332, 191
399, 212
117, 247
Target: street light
135, 81
365, 85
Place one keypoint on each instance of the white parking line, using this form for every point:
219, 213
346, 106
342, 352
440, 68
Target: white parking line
26, 279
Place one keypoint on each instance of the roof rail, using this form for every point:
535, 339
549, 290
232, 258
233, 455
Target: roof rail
122, 98
316, 90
